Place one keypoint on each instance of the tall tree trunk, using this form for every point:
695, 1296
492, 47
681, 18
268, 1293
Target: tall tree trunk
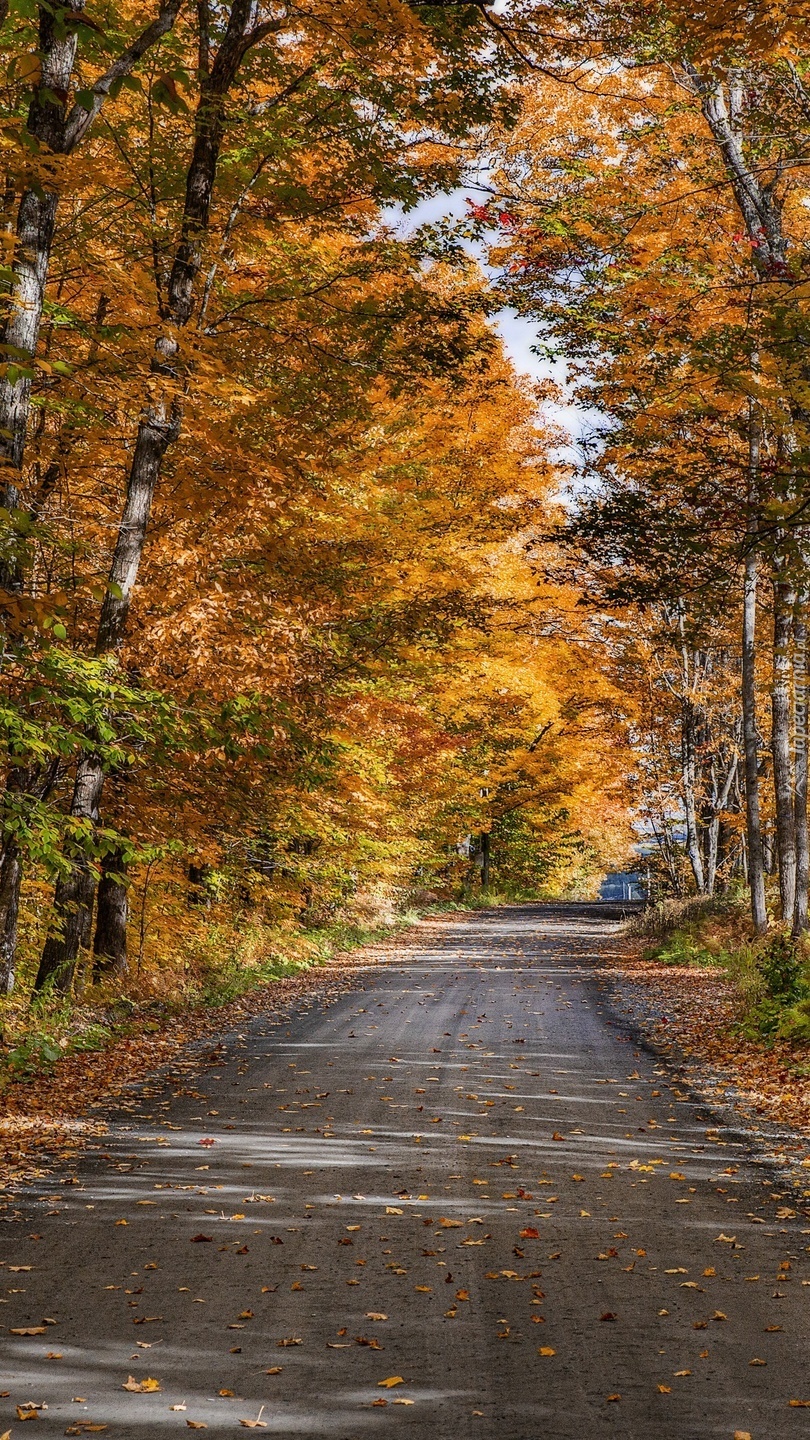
689, 779
159, 427
784, 602
56, 130
73, 898
753, 814
800, 750
112, 913
10, 881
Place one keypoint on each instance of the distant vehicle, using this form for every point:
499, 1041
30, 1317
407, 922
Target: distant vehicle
623, 885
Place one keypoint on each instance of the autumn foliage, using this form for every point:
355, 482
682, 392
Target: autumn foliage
278, 648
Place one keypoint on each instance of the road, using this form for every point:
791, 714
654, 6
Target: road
464, 1177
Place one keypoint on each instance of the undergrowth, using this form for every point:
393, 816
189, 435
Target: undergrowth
771, 972
228, 961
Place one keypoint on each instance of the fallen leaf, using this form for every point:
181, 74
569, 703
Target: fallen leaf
140, 1387
29, 1330
665, 1389
546, 1350
391, 1381
375, 1315
200, 1239
196, 1425
289, 1340
530, 1233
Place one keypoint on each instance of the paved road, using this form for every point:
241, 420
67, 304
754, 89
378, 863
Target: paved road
465, 1175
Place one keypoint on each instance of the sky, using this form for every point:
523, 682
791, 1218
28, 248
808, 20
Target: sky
518, 333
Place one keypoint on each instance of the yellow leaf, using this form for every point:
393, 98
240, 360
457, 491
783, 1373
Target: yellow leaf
546, 1350
665, 1389
140, 1387
391, 1381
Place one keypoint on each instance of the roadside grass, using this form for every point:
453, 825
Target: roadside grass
770, 972
228, 962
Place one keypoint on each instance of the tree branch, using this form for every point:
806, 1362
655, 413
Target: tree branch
81, 118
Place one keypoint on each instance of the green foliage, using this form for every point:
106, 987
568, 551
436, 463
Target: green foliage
33, 1055
778, 1012
683, 948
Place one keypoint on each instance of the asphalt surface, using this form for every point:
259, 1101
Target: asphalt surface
465, 1177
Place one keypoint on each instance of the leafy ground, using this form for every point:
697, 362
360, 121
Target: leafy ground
702, 996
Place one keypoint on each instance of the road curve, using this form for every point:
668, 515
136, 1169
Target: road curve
464, 1179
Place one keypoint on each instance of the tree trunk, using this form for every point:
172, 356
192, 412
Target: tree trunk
160, 423
485, 859
784, 602
10, 882
56, 131
112, 913
73, 898
689, 778
198, 893
800, 751
753, 817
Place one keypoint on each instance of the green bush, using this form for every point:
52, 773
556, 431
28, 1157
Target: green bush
33, 1055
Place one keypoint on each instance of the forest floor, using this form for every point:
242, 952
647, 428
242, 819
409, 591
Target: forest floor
293, 1202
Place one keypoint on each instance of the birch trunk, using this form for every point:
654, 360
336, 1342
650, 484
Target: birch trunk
753, 813
159, 427
800, 763
784, 602
57, 130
